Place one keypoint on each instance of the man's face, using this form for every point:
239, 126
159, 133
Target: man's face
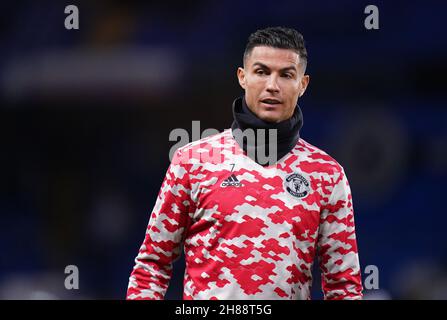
273, 80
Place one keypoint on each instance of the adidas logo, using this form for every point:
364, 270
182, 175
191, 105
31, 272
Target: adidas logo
231, 181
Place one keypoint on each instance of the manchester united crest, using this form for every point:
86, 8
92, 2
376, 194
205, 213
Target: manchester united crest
297, 185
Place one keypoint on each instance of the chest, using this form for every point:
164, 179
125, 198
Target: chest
240, 196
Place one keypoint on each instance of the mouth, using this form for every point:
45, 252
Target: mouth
271, 101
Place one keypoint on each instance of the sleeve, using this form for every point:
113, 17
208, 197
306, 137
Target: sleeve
165, 233
337, 245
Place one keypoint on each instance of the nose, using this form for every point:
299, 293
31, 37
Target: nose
272, 84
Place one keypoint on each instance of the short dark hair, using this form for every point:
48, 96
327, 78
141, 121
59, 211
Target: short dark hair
278, 37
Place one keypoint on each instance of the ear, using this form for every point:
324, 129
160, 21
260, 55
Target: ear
241, 77
304, 83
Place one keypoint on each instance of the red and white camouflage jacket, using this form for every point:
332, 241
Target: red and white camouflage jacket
250, 231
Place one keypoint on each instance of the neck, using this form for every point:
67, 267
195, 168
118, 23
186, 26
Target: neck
287, 132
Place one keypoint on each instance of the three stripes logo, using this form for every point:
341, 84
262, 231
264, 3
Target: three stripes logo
231, 181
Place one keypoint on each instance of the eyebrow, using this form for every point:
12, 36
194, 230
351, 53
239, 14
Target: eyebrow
266, 67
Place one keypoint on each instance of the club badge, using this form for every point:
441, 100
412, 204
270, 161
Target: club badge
297, 185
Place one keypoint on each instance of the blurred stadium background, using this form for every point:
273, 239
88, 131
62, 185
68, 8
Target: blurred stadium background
85, 118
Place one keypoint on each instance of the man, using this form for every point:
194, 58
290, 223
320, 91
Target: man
251, 229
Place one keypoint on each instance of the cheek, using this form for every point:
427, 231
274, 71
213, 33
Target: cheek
254, 85
293, 91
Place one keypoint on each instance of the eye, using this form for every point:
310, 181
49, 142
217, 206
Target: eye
260, 71
287, 75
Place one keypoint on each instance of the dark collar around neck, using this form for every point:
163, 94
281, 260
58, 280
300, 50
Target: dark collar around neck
287, 130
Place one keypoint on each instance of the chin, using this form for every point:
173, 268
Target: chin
269, 116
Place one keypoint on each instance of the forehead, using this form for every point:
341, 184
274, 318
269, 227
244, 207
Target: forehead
274, 58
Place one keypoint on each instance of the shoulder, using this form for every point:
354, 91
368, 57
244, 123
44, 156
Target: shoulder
190, 150
212, 140
316, 159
